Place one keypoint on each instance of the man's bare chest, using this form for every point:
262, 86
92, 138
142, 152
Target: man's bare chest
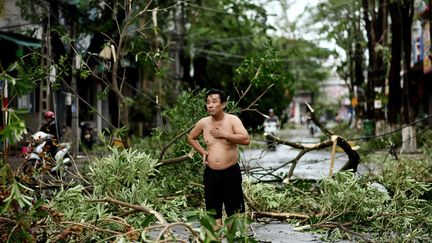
223, 127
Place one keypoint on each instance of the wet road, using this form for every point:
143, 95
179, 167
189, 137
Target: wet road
313, 165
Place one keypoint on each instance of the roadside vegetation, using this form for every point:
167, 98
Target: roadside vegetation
144, 189
130, 195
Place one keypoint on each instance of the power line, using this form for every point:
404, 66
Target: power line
226, 54
391, 132
222, 40
214, 9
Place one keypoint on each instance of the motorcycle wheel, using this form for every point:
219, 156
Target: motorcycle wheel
29, 166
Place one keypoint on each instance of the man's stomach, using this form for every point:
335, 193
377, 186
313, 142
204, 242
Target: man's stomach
221, 157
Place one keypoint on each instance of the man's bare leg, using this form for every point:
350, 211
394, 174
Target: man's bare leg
218, 224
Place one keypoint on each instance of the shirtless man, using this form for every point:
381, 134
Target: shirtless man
222, 176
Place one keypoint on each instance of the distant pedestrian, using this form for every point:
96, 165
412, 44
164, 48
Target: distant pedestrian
272, 118
271, 126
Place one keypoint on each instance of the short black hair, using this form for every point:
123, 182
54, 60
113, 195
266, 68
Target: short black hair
222, 94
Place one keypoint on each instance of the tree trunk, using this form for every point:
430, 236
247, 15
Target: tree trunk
370, 30
394, 105
359, 78
408, 137
376, 29
409, 141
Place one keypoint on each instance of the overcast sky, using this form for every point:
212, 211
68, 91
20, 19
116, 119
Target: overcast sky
296, 8
279, 20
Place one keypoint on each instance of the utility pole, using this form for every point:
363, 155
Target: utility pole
75, 104
430, 30
430, 54
4, 105
179, 44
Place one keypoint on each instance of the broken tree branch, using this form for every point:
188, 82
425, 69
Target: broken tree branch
144, 209
178, 159
281, 215
353, 156
166, 146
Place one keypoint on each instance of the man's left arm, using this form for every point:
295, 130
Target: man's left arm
240, 135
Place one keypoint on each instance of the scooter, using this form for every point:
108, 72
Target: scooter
270, 127
46, 155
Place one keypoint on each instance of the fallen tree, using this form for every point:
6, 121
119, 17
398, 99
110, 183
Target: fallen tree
335, 140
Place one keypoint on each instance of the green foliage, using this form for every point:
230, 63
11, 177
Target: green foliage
424, 137
234, 229
21, 211
65, 201
189, 108
303, 60
15, 127
261, 70
28, 223
266, 196
21, 76
340, 22
351, 197
175, 178
402, 213
122, 168
16, 195
407, 181
345, 197
289, 65
126, 175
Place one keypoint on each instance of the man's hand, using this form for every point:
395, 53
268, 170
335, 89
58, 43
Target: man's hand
217, 132
205, 162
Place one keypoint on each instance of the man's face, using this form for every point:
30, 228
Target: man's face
214, 105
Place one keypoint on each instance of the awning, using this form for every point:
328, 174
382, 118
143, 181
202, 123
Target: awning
21, 40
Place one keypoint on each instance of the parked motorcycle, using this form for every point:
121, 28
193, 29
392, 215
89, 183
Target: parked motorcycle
45, 155
270, 127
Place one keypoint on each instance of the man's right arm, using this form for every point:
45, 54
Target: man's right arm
193, 136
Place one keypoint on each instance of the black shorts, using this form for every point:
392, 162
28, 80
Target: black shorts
224, 187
